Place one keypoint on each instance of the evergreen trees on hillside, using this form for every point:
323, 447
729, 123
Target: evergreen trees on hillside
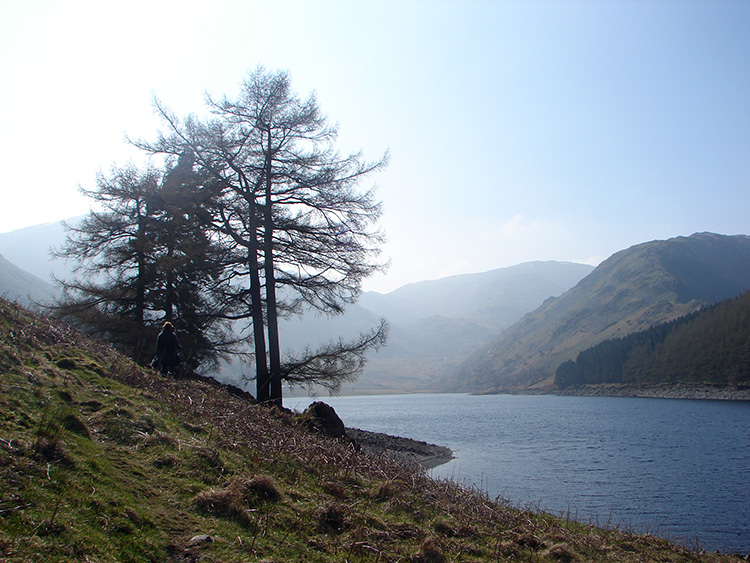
144, 258
290, 209
708, 346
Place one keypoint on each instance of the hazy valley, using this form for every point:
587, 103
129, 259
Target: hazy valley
506, 330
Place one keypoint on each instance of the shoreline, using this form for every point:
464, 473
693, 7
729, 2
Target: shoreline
690, 391
403, 449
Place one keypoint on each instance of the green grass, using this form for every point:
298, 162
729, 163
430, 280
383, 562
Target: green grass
103, 461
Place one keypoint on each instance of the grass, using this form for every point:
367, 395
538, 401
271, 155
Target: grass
103, 461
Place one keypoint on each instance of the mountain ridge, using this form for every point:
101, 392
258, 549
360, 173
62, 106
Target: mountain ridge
633, 289
19, 285
434, 323
29, 248
509, 328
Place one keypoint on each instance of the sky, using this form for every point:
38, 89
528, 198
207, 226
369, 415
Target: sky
517, 130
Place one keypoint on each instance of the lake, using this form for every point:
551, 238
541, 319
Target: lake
679, 469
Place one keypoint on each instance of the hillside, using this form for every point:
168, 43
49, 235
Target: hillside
434, 324
29, 249
19, 285
496, 298
103, 461
709, 347
632, 290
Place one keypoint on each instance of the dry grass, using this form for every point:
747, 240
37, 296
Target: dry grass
101, 460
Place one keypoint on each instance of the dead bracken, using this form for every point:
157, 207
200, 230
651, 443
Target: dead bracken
119, 463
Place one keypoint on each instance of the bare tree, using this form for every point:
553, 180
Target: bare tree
290, 208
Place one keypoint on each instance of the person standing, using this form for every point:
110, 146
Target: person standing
167, 346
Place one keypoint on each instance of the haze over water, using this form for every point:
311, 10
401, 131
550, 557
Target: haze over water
675, 468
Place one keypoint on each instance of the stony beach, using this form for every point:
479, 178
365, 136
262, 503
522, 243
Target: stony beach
403, 449
663, 391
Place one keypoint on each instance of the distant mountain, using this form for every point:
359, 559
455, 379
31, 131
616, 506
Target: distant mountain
29, 249
709, 346
436, 324
496, 298
632, 290
21, 286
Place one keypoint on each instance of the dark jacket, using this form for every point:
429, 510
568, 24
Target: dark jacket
166, 350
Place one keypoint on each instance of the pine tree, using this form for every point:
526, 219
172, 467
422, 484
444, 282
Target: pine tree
115, 254
144, 258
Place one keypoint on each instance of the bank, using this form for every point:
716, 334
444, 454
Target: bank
662, 391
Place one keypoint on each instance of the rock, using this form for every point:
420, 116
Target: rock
324, 419
403, 449
199, 540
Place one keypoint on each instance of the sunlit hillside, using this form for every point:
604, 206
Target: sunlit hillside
632, 290
103, 461
19, 285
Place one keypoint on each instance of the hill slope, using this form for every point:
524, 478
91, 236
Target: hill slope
436, 324
19, 285
496, 298
706, 347
103, 461
29, 248
632, 290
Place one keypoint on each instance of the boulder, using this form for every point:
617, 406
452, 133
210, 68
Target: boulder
324, 419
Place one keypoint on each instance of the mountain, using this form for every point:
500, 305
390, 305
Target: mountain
436, 324
496, 298
29, 248
18, 285
634, 289
709, 347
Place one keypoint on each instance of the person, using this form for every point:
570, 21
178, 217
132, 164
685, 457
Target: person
167, 344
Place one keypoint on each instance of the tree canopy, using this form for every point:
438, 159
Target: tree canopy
709, 346
144, 258
281, 221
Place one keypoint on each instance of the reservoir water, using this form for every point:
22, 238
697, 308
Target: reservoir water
679, 469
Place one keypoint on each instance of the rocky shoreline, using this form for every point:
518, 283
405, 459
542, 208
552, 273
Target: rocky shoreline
323, 418
662, 391
403, 449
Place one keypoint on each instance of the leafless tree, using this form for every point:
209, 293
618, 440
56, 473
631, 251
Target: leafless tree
292, 212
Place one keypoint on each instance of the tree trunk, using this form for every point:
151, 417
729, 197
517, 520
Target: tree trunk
169, 289
274, 348
140, 288
140, 284
259, 338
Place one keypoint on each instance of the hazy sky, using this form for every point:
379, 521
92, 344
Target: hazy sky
518, 130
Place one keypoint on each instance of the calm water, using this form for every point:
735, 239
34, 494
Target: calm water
675, 468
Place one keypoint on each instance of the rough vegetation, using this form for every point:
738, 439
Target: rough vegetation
101, 460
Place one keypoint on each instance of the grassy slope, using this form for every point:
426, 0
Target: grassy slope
103, 461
